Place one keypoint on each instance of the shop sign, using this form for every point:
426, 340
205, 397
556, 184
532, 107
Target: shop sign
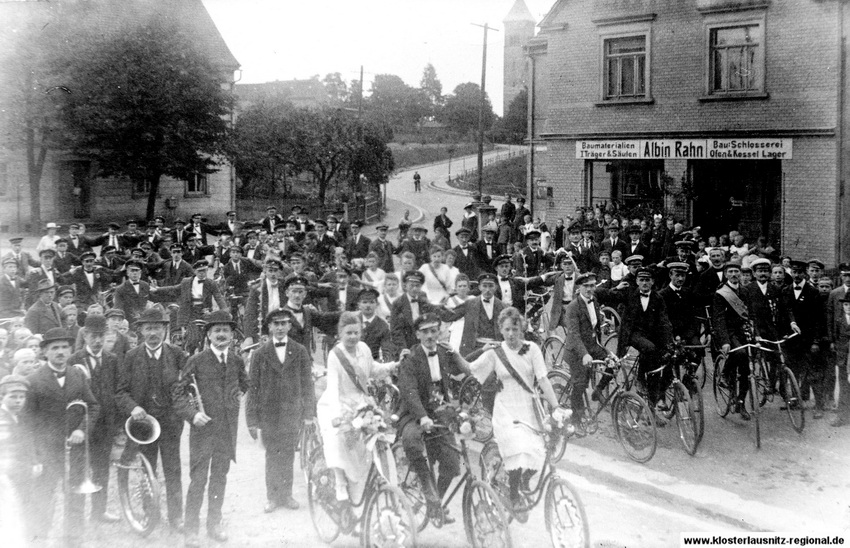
687, 149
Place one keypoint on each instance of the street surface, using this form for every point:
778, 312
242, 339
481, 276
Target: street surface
795, 482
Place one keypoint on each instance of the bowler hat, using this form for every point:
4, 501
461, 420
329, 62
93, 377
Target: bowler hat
45, 285
56, 334
219, 317
95, 323
152, 315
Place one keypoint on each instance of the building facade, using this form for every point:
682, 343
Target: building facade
519, 29
69, 189
724, 113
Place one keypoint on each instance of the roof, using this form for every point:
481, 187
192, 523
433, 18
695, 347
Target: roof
519, 13
301, 93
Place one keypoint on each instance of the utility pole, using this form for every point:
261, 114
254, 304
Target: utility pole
360, 99
481, 107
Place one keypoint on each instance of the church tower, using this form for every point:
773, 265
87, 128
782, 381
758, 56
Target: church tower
519, 29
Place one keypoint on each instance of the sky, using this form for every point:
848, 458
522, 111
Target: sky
297, 39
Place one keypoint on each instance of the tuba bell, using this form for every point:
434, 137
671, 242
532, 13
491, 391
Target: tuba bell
143, 431
87, 486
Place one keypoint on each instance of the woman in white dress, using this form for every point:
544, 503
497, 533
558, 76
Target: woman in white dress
522, 450
437, 283
350, 359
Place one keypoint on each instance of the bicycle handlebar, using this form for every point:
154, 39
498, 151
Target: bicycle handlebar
784, 339
750, 345
530, 427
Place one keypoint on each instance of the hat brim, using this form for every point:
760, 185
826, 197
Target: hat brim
210, 325
69, 340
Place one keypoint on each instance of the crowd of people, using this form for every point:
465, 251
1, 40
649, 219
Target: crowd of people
134, 329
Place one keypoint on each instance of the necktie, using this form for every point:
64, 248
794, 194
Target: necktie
237, 269
95, 363
432, 354
279, 344
486, 300
135, 283
222, 359
59, 374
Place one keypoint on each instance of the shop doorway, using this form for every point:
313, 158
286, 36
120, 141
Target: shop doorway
742, 195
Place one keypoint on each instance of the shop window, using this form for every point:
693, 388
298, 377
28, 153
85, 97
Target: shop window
628, 183
625, 66
196, 185
736, 59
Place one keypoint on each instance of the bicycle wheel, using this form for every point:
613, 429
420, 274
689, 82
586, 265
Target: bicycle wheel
310, 444
724, 395
686, 417
697, 407
389, 521
553, 353
754, 399
409, 483
612, 320
793, 400
321, 500
564, 515
138, 491
634, 425
493, 472
484, 517
562, 386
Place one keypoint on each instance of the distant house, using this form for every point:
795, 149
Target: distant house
68, 193
301, 93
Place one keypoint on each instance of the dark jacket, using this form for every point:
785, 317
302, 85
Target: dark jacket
41, 317
45, 415
87, 294
125, 298
472, 310
653, 323
485, 262
385, 250
182, 295
171, 275
248, 270
770, 313
468, 264
256, 309
104, 386
619, 245
221, 392
682, 310
401, 319
728, 326
280, 395
809, 314
376, 335
135, 389
582, 337
357, 249
414, 383
11, 300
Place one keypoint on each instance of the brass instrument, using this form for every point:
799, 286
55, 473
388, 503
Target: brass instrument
144, 431
197, 396
87, 486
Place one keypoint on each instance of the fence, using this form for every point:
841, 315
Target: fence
468, 178
367, 208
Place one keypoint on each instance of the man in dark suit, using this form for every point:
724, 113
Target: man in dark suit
442, 221
12, 288
684, 254
51, 423
376, 332
771, 316
325, 244
384, 249
407, 309
613, 242
306, 317
806, 357
102, 370
711, 279
487, 251
508, 210
200, 229
343, 297
220, 377
481, 313
357, 246
131, 237
278, 409
423, 386
587, 259
646, 327
731, 324
634, 245
681, 304
265, 296
195, 251
466, 254
88, 281
180, 234
658, 238
109, 259
144, 388
77, 243
519, 215
175, 269
132, 296
44, 314
195, 296
238, 271
44, 272
532, 261
230, 224
417, 244
509, 289
271, 220
22, 258
64, 261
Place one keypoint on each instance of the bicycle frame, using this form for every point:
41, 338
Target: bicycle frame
463, 451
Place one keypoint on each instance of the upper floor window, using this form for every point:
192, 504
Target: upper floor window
736, 59
196, 184
625, 67
4, 179
141, 187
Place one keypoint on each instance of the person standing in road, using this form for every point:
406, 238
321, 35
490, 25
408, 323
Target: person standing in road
442, 221
417, 182
220, 377
280, 399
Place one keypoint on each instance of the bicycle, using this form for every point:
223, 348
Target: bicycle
564, 514
386, 518
634, 421
484, 518
760, 389
310, 441
683, 398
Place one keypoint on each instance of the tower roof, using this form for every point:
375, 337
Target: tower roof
519, 13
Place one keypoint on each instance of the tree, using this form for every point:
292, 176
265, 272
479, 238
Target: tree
433, 89
336, 88
515, 122
333, 145
145, 104
461, 110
